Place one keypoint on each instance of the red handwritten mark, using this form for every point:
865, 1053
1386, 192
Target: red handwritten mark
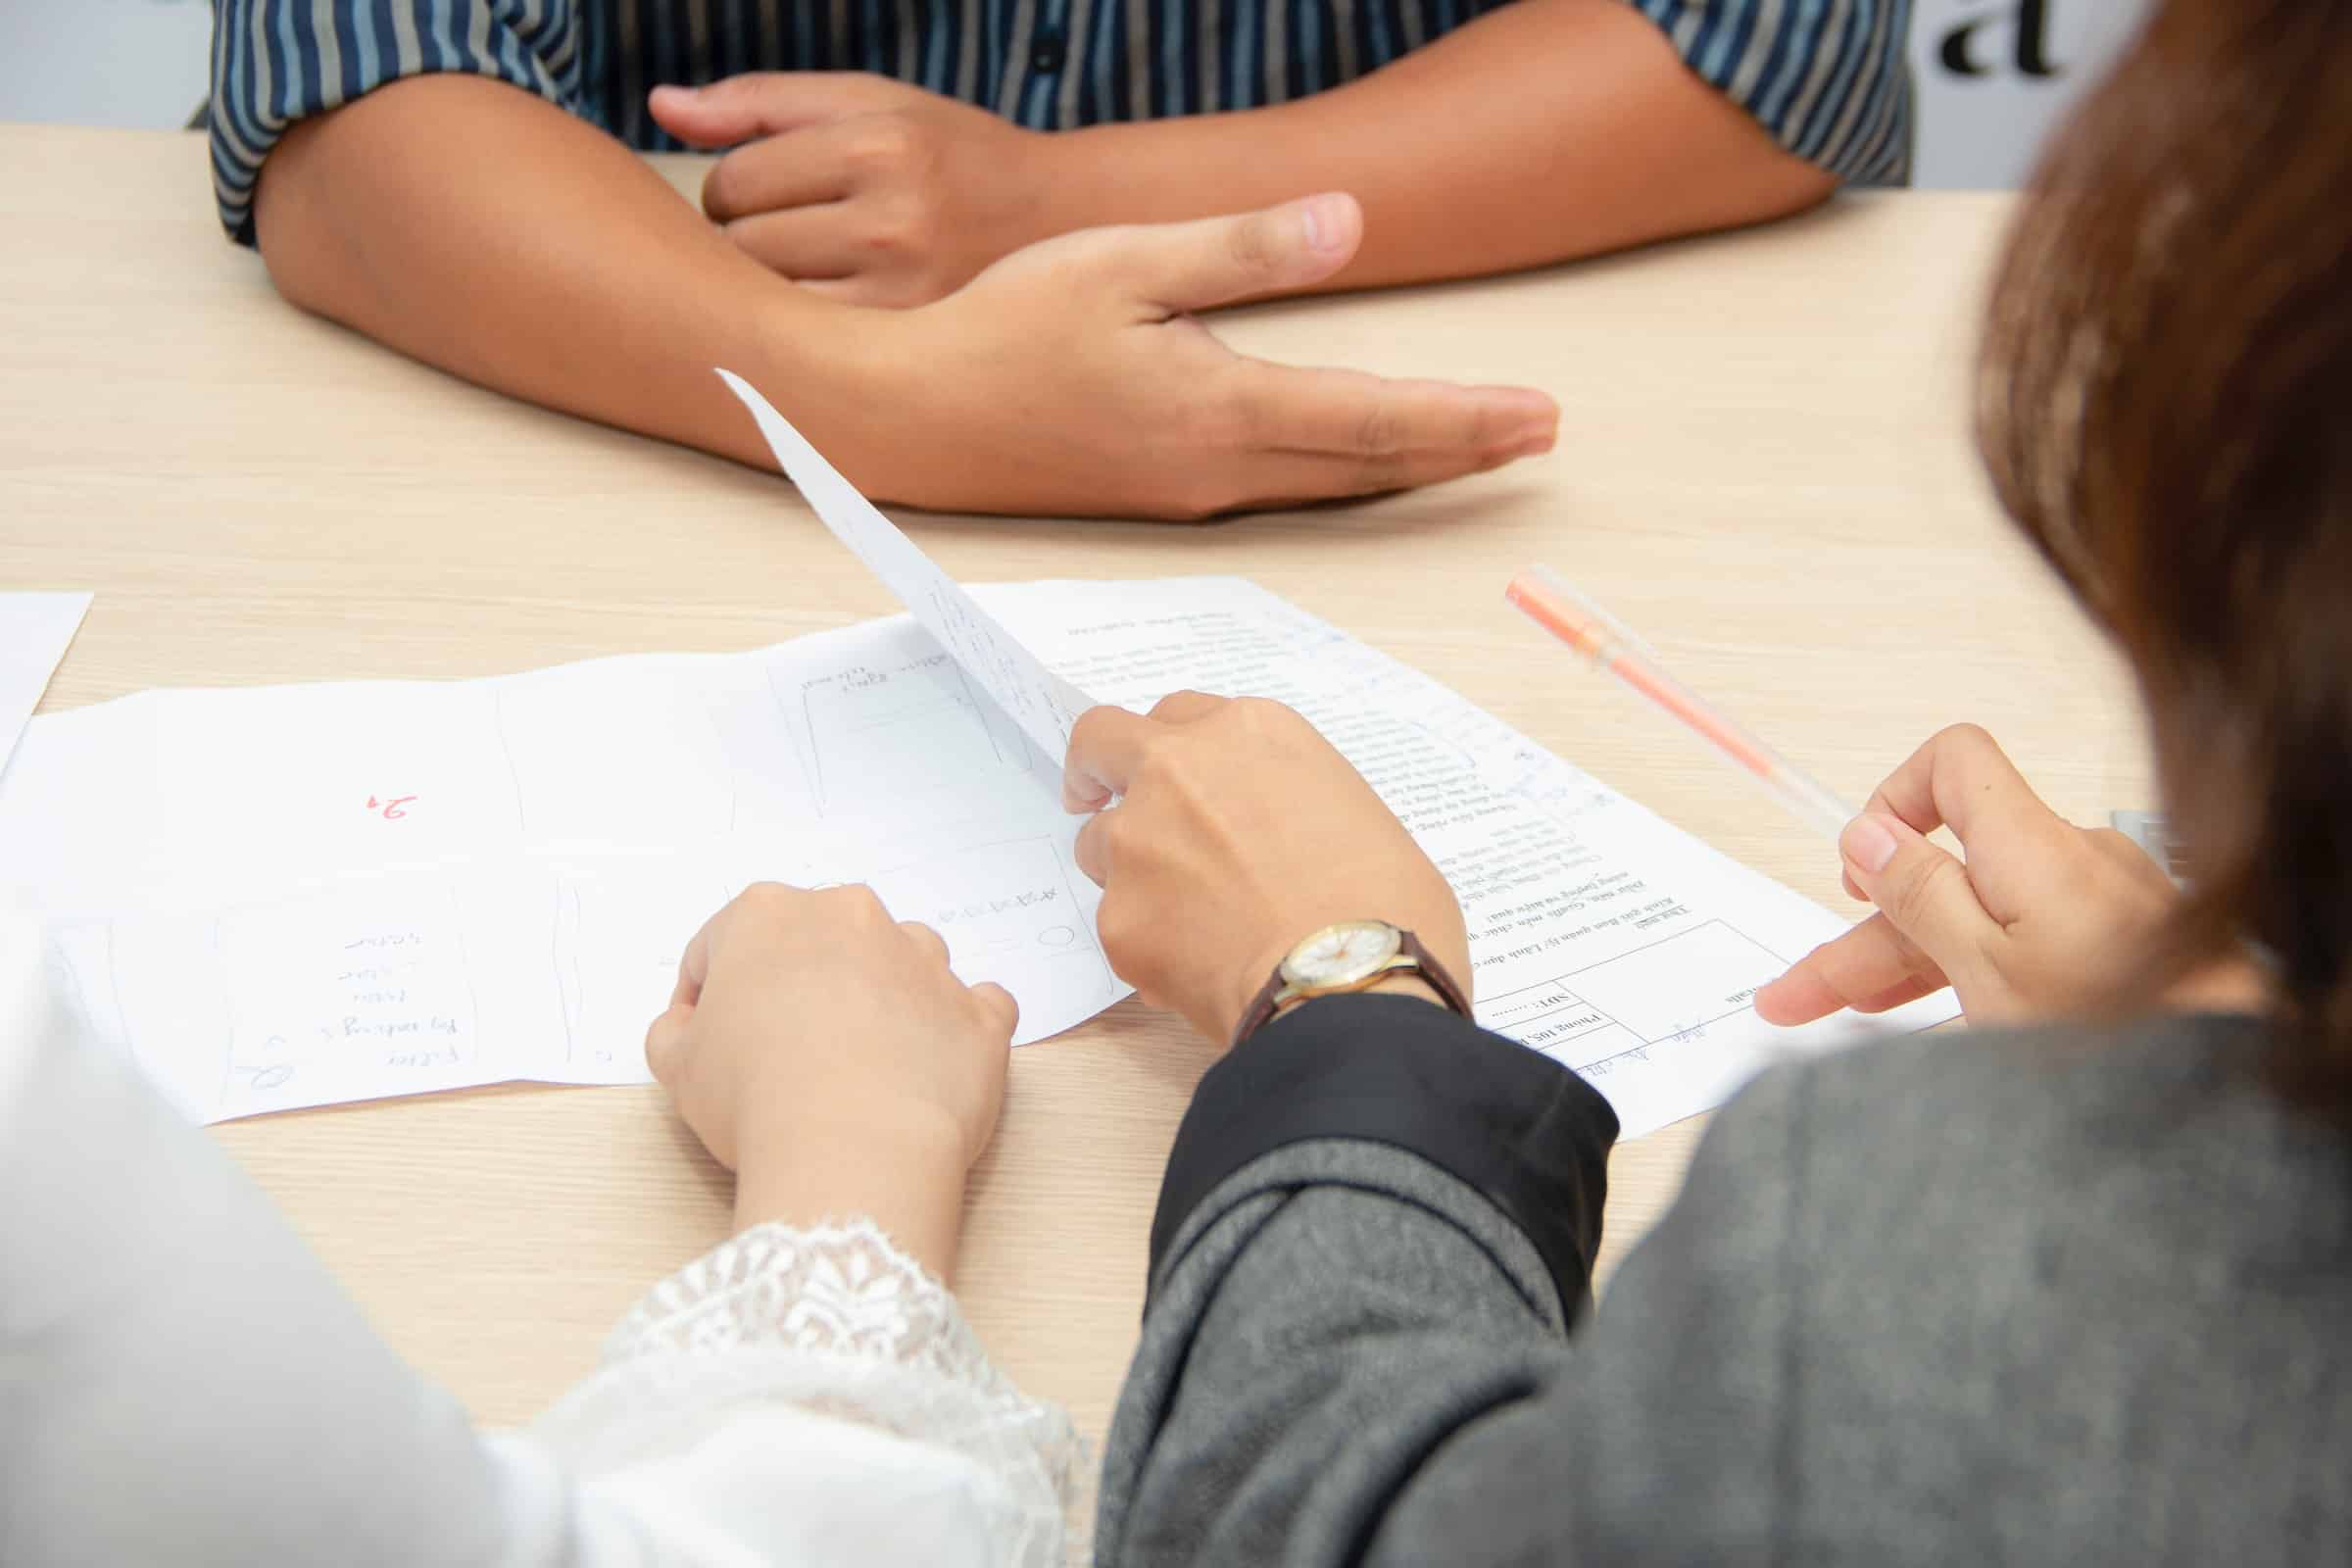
392, 807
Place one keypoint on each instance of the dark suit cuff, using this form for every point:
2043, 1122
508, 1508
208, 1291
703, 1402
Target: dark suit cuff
1526, 1133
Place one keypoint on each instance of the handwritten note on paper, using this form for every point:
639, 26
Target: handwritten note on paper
538, 851
1043, 703
35, 630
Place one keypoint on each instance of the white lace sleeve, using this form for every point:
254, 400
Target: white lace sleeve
834, 1324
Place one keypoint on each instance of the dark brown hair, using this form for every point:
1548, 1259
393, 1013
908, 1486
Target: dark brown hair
2165, 404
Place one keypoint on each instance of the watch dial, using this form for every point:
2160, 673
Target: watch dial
1340, 953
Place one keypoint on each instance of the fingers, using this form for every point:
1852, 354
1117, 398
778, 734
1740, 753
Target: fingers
1871, 968
805, 244
1315, 435
996, 1003
694, 965
1186, 706
1105, 744
1214, 261
804, 169
1900, 994
1288, 479
1350, 414
1108, 742
764, 103
665, 1036
666, 1042
1962, 779
1092, 848
929, 943
1925, 899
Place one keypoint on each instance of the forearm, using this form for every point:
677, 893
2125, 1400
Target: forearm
483, 231
909, 1181
1376, 1227
1545, 130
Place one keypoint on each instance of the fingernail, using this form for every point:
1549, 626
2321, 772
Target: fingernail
1539, 437
1867, 842
1321, 225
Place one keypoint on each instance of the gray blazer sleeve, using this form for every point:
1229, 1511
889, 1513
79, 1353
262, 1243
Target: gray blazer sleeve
1377, 1227
1355, 1351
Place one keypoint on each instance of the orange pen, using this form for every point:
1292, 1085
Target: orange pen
1593, 632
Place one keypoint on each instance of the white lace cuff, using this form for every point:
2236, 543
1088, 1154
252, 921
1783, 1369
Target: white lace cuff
836, 1288
834, 1320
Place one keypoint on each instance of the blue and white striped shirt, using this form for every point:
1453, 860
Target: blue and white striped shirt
1826, 78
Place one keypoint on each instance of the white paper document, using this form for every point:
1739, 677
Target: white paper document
291, 896
35, 629
1599, 933
294, 895
1043, 703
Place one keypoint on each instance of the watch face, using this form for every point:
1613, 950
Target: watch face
1340, 954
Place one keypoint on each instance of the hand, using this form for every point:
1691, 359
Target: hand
826, 1053
2042, 916
1070, 379
862, 187
1238, 831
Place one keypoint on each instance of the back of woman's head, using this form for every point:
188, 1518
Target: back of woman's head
2166, 406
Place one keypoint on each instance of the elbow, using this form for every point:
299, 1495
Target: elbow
293, 222
1781, 184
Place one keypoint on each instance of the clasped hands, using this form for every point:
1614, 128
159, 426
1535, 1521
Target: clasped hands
865, 188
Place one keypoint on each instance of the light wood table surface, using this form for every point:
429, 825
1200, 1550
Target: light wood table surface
1763, 465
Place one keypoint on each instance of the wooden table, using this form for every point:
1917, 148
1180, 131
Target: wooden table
1763, 465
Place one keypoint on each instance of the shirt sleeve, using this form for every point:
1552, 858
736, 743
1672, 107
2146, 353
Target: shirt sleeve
1357, 1352
1827, 78
813, 1395
805, 1396
1377, 1226
276, 62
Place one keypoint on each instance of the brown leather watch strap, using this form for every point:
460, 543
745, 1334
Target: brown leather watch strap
1435, 974
1261, 1006
1261, 1009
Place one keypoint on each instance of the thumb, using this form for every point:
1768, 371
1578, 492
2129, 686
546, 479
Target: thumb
1925, 892
735, 109
1215, 261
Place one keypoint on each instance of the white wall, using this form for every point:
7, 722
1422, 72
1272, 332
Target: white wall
139, 63
1994, 76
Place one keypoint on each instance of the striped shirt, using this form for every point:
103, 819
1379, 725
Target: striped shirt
1826, 78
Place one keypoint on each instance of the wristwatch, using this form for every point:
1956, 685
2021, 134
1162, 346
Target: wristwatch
1352, 956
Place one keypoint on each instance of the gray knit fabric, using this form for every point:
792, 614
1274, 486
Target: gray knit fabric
2031, 1298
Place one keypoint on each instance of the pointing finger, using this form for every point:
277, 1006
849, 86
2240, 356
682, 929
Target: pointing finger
1869, 962
1348, 415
